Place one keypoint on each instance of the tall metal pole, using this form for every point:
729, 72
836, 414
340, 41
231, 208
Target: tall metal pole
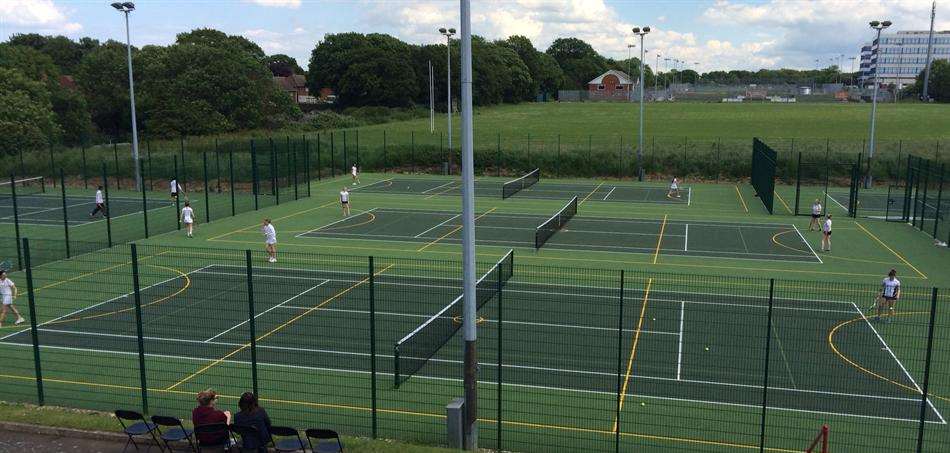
468, 232
924, 95
877, 26
126, 8
641, 32
656, 77
431, 100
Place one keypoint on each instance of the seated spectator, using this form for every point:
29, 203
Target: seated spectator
206, 414
253, 415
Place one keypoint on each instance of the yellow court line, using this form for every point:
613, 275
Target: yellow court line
454, 230
592, 192
62, 282
633, 350
239, 230
744, 206
659, 240
372, 218
898, 255
776, 241
276, 329
783, 202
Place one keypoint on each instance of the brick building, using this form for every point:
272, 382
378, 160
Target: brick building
612, 85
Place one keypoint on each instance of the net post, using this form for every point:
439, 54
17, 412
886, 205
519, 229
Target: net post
765, 377
144, 202
254, 174
85, 175
798, 184
372, 342
396, 366
34, 332
498, 370
136, 290
16, 220
925, 393
252, 331
105, 186
204, 165
62, 190
178, 194
231, 179
620, 348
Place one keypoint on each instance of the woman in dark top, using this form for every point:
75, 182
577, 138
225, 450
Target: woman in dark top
206, 414
253, 415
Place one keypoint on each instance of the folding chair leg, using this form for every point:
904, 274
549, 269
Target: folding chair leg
130, 441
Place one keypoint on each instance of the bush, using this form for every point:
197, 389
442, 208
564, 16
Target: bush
332, 120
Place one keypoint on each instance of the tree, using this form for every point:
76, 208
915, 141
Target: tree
282, 65
217, 39
939, 87
27, 120
30, 62
333, 63
578, 60
103, 78
64, 52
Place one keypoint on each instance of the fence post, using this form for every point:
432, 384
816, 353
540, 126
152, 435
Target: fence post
181, 152
296, 172
274, 172
204, 165
254, 175
926, 390
231, 179
619, 364
499, 380
138, 326
144, 204
357, 138
557, 164
217, 165
16, 221
62, 189
34, 333
498, 155
105, 186
332, 157
319, 170
590, 145
115, 157
250, 319
151, 175
765, 378
85, 175
178, 194
412, 150
385, 155
346, 158
372, 339
937, 215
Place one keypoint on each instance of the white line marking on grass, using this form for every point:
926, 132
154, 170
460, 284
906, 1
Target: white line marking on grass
689, 195
608, 193
686, 239
440, 224
438, 187
267, 311
679, 355
370, 185
304, 234
806, 243
836, 201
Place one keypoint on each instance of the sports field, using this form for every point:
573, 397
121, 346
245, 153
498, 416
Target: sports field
671, 355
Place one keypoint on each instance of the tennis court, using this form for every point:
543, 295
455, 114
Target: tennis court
47, 209
679, 345
766, 241
605, 191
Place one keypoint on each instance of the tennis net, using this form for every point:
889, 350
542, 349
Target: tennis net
415, 349
25, 186
555, 223
517, 185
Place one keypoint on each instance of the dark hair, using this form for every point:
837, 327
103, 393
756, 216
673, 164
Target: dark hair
100, 187
187, 203
892, 273
248, 402
3, 272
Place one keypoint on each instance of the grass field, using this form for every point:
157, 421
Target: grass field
671, 356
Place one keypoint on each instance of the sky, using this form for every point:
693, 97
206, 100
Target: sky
704, 34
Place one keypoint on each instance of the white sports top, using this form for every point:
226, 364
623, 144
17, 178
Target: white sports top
270, 233
827, 226
345, 196
186, 214
816, 208
6, 287
891, 287
99, 198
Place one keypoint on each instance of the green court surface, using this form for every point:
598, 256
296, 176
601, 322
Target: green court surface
543, 190
47, 209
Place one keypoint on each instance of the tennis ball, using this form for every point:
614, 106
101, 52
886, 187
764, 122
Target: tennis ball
707, 348
643, 404
654, 319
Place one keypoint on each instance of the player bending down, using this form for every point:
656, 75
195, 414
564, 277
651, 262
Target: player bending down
674, 189
890, 292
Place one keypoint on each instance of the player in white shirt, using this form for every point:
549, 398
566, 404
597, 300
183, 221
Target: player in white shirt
345, 201
270, 240
188, 218
815, 216
100, 203
8, 292
826, 234
175, 188
890, 292
674, 189
356, 175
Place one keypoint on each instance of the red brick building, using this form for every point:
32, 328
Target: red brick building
295, 86
612, 85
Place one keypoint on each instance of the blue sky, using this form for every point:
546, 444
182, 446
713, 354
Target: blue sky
706, 34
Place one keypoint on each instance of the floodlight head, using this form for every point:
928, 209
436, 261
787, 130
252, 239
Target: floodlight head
636, 30
442, 30
886, 24
129, 6
875, 24
124, 7
452, 30
646, 29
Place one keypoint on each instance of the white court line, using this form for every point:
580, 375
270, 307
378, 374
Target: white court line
689, 195
679, 355
899, 363
439, 187
371, 185
440, 224
608, 193
267, 311
836, 201
686, 240
806, 243
304, 234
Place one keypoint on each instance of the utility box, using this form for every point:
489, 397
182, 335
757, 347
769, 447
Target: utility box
455, 421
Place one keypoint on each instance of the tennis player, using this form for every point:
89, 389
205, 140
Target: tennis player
890, 292
270, 240
345, 201
188, 218
826, 234
175, 188
815, 216
100, 203
674, 189
356, 175
9, 292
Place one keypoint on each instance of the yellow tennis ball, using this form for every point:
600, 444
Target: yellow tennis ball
707, 348
643, 404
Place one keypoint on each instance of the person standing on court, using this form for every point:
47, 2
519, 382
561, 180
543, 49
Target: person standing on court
270, 240
890, 292
356, 176
175, 188
188, 218
345, 201
826, 234
8, 292
815, 216
100, 203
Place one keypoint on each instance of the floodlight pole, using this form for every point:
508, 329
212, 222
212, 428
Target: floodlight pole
878, 26
656, 77
640, 32
431, 100
468, 232
448, 74
924, 96
126, 8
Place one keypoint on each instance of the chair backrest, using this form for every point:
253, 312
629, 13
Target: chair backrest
163, 420
283, 431
316, 433
123, 414
212, 429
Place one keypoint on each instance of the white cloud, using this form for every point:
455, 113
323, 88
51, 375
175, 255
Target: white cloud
40, 15
276, 3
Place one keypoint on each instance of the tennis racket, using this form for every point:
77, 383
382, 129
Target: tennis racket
877, 301
6, 265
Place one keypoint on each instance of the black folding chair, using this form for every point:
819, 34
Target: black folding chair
287, 439
247, 434
328, 441
174, 431
219, 430
134, 425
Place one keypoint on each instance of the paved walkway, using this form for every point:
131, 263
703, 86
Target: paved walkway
13, 439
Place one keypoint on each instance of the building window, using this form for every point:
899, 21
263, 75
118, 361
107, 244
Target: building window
600, 87
619, 87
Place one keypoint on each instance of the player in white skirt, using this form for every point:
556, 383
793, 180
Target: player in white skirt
270, 240
345, 201
826, 234
674, 188
188, 218
815, 216
8, 292
356, 175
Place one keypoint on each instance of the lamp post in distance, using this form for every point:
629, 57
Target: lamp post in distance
641, 32
126, 8
876, 26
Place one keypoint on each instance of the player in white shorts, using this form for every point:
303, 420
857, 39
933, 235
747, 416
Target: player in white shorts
826, 234
345, 201
815, 216
356, 175
270, 240
188, 218
175, 188
100, 203
674, 188
8, 292
890, 292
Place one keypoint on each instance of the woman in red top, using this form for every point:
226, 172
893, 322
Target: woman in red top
206, 414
